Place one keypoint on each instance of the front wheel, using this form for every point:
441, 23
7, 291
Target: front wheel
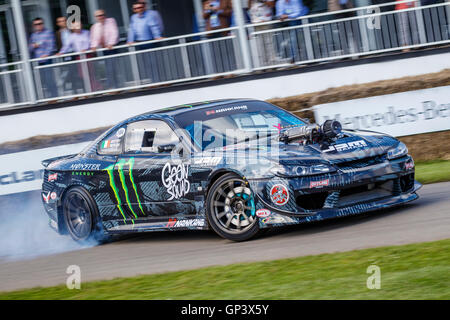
81, 216
231, 209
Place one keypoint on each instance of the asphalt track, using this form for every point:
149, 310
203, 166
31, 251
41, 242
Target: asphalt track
426, 219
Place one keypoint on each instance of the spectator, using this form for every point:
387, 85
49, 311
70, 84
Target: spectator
245, 8
42, 41
290, 9
154, 15
337, 5
145, 26
347, 43
261, 10
428, 2
78, 41
63, 33
287, 10
217, 14
403, 24
105, 34
42, 44
381, 5
62, 36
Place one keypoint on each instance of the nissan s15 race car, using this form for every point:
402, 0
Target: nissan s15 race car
237, 167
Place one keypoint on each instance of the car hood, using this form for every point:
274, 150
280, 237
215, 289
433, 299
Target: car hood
351, 146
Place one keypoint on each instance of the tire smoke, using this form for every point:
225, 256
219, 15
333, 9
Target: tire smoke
24, 229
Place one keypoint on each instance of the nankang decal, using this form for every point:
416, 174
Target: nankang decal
190, 223
346, 146
175, 180
226, 109
52, 177
81, 166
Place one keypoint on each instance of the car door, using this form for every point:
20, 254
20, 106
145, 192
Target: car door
154, 184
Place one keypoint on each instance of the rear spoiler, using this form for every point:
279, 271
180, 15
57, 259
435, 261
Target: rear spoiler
47, 162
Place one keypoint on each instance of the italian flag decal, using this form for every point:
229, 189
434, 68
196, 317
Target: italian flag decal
106, 144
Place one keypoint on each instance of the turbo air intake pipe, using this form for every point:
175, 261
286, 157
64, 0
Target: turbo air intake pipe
313, 133
330, 129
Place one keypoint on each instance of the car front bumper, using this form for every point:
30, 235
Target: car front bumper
350, 190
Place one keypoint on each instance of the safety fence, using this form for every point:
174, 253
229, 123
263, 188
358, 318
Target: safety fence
350, 33
314, 38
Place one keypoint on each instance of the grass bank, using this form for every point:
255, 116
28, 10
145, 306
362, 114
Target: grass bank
417, 271
433, 171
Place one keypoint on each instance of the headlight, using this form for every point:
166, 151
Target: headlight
400, 151
295, 171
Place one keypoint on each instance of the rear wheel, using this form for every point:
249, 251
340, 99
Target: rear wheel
81, 216
231, 209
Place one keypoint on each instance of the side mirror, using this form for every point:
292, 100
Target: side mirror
166, 148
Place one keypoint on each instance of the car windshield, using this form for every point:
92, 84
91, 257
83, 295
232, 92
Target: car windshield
227, 125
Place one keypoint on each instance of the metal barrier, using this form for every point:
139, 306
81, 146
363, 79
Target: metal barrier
159, 62
348, 33
12, 90
313, 38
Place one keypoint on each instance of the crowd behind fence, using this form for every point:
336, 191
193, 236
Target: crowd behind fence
349, 33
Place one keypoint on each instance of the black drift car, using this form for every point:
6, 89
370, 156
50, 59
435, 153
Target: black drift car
234, 166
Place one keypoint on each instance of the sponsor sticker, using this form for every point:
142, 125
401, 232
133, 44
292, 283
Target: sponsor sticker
319, 184
208, 161
88, 167
48, 196
226, 109
171, 223
263, 213
409, 165
279, 194
175, 180
52, 177
110, 144
189, 223
274, 220
82, 173
346, 146
120, 133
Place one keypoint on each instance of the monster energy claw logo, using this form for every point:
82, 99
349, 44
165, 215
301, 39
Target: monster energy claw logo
175, 180
123, 182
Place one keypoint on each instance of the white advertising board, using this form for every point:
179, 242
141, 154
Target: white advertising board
23, 171
399, 114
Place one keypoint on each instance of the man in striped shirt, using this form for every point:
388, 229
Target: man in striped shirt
42, 44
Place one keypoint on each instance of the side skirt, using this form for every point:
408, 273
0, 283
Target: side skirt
171, 224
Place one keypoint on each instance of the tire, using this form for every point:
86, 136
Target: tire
231, 209
81, 217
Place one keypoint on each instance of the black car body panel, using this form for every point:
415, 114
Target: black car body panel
153, 191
